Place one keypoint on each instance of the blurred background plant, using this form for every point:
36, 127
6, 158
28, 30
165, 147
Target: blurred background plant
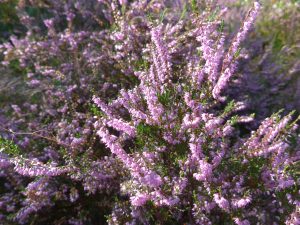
9, 20
279, 26
277, 35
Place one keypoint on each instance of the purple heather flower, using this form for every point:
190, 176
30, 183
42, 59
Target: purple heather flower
241, 203
229, 66
222, 202
238, 221
139, 199
205, 171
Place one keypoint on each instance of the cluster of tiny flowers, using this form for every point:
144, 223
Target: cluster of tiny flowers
67, 52
130, 119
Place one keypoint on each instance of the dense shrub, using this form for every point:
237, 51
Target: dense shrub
136, 113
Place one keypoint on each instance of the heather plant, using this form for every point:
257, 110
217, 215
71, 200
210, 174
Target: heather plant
133, 119
183, 142
61, 62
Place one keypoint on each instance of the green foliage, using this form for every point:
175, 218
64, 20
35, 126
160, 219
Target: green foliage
194, 6
14, 65
293, 170
221, 26
233, 120
212, 17
229, 108
95, 110
8, 17
162, 15
162, 214
278, 22
57, 82
141, 64
252, 168
184, 12
278, 42
35, 11
147, 130
148, 136
9, 147
165, 98
255, 166
237, 53
279, 25
181, 151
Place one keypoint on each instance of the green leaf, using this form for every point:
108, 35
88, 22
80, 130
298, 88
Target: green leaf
212, 17
229, 107
237, 53
221, 27
183, 13
162, 15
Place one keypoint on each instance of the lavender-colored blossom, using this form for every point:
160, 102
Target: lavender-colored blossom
222, 202
129, 112
229, 66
